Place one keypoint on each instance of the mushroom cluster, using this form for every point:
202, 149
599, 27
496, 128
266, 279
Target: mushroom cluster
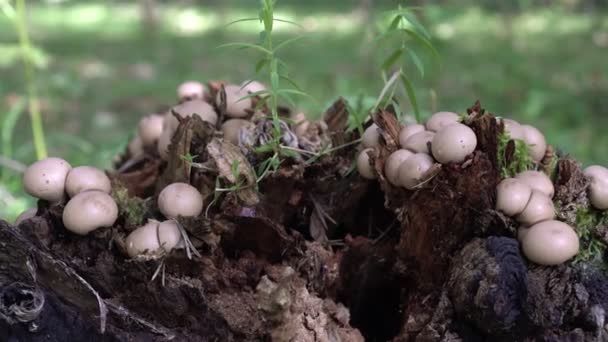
90, 206
528, 198
598, 187
443, 139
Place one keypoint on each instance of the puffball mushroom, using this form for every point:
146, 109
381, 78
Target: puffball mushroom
441, 119
539, 208
453, 143
45, 179
513, 128
594, 171
550, 243
26, 215
169, 235
512, 195
392, 163
371, 136
84, 178
413, 168
88, 211
231, 129
180, 199
598, 189
408, 131
253, 86
150, 128
537, 145
363, 165
537, 181
419, 142
152, 237
191, 90
236, 104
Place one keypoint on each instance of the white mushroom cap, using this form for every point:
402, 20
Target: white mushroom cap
88, 211
231, 129
236, 104
169, 235
408, 131
418, 142
594, 171
253, 86
45, 179
413, 169
150, 128
440, 119
598, 192
537, 145
83, 178
514, 129
143, 239
537, 181
371, 136
550, 243
392, 163
136, 146
191, 89
453, 143
180, 199
512, 196
26, 215
539, 208
363, 164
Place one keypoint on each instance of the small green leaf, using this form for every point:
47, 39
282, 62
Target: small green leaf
268, 147
241, 20
290, 81
411, 95
388, 62
288, 153
289, 22
294, 92
245, 46
274, 80
415, 23
257, 93
235, 169
288, 41
260, 65
394, 23
417, 61
420, 39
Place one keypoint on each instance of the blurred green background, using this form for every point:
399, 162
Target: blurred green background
100, 66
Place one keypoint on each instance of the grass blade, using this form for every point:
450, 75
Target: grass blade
288, 41
245, 46
417, 61
387, 86
411, 94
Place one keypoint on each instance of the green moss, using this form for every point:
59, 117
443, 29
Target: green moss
592, 249
522, 160
133, 209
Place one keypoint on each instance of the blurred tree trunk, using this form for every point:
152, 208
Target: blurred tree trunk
149, 16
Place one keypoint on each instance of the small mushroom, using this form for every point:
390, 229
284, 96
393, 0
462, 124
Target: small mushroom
453, 143
180, 199
550, 243
441, 119
363, 164
136, 146
26, 215
537, 145
83, 178
143, 239
237, 105
413, 169
88, 211
169, 235
539, 208
419, 142
253, 86
594, 171
408, 131
191, 90
514, 129
512, 196
231, 129
45, 179
537, 181
150, 128
371, 136
392, 163
598, 193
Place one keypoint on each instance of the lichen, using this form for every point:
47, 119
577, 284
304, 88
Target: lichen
520, 161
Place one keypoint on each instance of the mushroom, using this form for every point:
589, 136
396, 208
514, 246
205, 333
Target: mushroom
594, 171
512, 195
408, 131
550, 243
513, 128
143, 239
237, 104
45, 179
598, 189
253, 86
537, 181
83, 178
88, 211
537, 145
26, 215
419, 142
440, 119
371, 136
412, 170
539, 208
231, 129
150, 128
136, 146
392, 163
364, 167
191, 90
169, 235
453, 143
180, 199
